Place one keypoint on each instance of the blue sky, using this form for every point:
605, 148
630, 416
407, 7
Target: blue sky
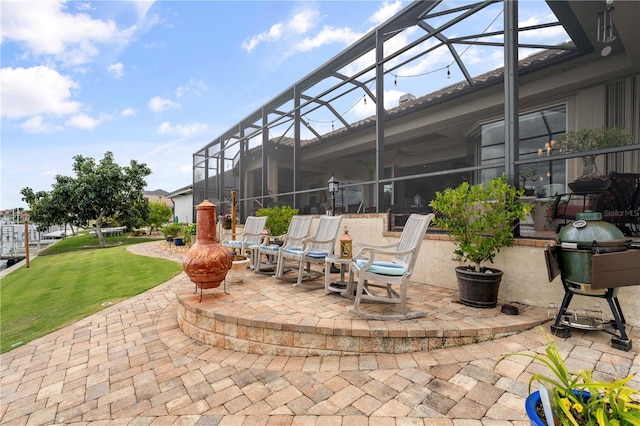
155, 81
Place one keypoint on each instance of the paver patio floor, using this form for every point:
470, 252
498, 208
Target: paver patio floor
132, 364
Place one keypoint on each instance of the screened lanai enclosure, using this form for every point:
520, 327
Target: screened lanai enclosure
441, 93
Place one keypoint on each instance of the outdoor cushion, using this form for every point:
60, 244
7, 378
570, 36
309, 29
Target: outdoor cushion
272, 247
314, 254
236, 243
382, 267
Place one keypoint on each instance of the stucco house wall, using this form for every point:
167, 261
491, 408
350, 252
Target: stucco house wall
525, 277
183, 208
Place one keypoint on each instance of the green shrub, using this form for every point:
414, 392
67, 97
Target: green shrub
188, 232
278, 218
173, 230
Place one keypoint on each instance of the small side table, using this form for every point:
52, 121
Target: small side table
341, 285
271, 255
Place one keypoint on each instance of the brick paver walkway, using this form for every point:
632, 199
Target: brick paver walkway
131, 364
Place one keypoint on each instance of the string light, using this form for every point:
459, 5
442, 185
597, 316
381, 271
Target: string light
548, 148
345, 112
447, 66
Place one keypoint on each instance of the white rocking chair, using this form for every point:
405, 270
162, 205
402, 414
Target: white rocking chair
371, 272
314, 250
250, 236
299, 227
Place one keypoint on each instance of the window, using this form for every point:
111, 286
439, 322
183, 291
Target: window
537, 128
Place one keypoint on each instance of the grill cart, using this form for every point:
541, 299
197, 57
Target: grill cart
593, 259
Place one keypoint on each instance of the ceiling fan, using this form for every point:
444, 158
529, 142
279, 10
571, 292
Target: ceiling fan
402, 152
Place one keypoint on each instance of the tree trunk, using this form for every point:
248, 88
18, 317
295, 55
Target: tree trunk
590, 171
99, 234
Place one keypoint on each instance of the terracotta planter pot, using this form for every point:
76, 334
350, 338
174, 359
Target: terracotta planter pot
478, 289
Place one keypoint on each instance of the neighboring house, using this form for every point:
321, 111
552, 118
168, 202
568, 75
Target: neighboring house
287, 150
159, 195
9, 216
182, 204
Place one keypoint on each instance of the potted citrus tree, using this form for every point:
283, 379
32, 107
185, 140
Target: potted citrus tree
480, 219
586, 140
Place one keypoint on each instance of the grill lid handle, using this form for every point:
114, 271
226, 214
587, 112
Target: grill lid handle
569, 246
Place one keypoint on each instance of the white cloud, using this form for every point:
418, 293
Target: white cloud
69, 38
386, 11
361, 109
274, 33
392, 98
128, 112
326, 36
300, 23
38, 90
83, 70
50, 172
542, 34
435, 60
38, 125
197, 87
186, 130
142, 7
116, 70
158, 104
83, 121
83, 6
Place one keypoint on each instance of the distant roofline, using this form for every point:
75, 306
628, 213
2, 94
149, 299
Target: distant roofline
483, 81
186, 190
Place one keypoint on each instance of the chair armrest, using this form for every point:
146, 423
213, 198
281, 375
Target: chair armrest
372, 246
369, 245
374, 251
313, 240
235, 234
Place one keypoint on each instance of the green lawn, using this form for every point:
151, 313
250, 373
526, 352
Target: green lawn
84, 241
59, 289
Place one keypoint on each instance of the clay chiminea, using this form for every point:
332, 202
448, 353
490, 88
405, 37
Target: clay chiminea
206, 262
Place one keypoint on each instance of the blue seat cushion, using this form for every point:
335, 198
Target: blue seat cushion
238, 243
382, 267
314, 254
271, 247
